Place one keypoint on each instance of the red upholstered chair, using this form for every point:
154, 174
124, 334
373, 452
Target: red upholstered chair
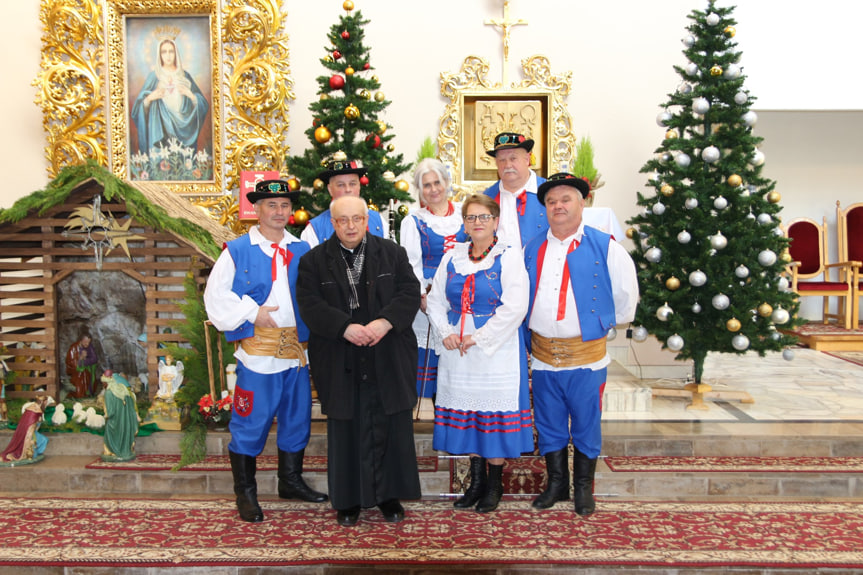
810, 272
849, 229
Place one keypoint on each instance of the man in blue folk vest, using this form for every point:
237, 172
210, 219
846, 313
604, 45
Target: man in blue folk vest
342, 178
251, 296
521, 215
582, 284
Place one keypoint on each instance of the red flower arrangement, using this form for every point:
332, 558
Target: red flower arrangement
216, 412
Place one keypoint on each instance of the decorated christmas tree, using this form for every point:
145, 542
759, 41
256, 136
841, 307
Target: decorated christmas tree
708, 246
347, 124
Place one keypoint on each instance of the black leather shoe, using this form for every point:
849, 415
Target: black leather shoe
392, 510
348, 517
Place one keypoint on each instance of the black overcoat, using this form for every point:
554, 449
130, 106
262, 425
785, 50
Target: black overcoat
393, 293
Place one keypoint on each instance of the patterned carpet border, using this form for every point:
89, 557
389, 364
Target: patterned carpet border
164, 462
736, 464
855, 357
160, 533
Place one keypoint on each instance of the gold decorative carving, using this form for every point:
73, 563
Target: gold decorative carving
117, 11
223, 209
480, 108
260, 86
70, 82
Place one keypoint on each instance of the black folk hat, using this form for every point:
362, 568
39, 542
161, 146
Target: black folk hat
272, 189
509, 140
340, 167
562, 179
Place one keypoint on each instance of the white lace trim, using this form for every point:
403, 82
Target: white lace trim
461, 261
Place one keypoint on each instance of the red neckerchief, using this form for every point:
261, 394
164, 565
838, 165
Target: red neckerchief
564, 283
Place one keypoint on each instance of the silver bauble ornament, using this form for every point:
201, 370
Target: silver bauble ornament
720, 203
696, 308
658, 208
741, 271
775, 336
653, 255
674, 342
388, 176
766, 257
692, 70
662, 119
740, 98
732, 72
718, 241
712, 19
700, 105
690, 203
684, 237
740, 342
688, 41
684, 88
783, 284
639, 333
697, 278
765, 219
710, 154
788, 354
664, 158
682, 160
780, 316
757, 158
750, 118
664, 312
720, 301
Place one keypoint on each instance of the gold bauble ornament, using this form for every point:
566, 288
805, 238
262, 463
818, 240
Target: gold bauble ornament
671, 134
322, 135
384, 161
293, 184
765, 310
774, 197
380, 97
402, 185
730, 31
716, 70
672, 283
375, 79
324, 97
786, 256
734, 180
349, 71
339, 156
630, 233
318, 184
391, 148
382, 127
403, 210
301, 217
365, 94
328, 59
352, 112
733, 324
373, 207
347, 5
666, 190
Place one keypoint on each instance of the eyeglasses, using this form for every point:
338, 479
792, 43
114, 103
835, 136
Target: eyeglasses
356, 220
484, 218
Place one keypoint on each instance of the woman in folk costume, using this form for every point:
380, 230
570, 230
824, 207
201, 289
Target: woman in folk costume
426, 234
477, 303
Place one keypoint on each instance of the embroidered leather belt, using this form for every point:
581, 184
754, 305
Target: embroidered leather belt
281, 343
567, 352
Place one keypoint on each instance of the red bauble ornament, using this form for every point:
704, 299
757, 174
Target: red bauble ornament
337, 82
336, 54
366, 66
364, 180
291, 220
373, 140
346, 35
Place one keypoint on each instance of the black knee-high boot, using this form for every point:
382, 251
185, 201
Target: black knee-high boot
557, 487
291, 484
478, 484
245, 487
494, 492
583, 471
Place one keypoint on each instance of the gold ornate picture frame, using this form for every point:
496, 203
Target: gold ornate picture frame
479, 109
158, 128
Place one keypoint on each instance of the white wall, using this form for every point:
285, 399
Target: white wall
621, 54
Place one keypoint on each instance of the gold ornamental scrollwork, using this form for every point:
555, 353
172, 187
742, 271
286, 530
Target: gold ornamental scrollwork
70, 83
479, 108
259, 85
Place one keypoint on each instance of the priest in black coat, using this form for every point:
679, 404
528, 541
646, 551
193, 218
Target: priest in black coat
358, 295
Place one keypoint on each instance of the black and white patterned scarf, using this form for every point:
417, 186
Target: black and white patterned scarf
354, 266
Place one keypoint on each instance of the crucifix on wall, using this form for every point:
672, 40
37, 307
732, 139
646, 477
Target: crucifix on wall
505, 26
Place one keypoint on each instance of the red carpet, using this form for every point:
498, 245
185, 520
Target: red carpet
163, 462
522, 476
161, 533
743, 464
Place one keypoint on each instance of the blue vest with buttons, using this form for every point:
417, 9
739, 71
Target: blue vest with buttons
533, 222
589, 278
253, 277
487, 290
323, 226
